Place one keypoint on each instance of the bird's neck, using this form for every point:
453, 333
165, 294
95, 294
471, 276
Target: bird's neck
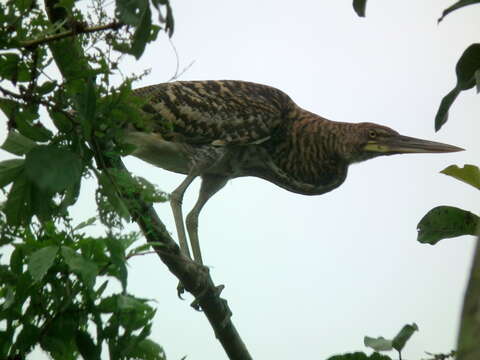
311, 148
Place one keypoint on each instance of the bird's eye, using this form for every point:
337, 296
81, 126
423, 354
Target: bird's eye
372, 134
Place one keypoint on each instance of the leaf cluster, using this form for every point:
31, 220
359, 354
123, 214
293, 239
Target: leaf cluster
56, 287
54, 292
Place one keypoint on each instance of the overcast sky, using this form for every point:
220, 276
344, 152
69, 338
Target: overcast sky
308, 277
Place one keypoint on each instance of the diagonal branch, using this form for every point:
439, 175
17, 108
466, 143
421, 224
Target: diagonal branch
194, 277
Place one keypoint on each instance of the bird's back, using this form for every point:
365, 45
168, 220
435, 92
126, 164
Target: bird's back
218, 112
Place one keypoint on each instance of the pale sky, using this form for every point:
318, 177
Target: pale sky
309, 277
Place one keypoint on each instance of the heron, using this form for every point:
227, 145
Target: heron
221, 130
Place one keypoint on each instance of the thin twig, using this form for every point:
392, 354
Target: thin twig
85, 30
178, 74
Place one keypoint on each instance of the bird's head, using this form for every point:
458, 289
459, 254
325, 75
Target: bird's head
372, 140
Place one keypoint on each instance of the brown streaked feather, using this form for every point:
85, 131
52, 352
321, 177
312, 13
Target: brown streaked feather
219, 112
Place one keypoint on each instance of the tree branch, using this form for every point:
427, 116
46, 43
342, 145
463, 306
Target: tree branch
194, 277
75, 31
468, 339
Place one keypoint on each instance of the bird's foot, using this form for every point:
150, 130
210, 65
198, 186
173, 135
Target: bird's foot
180, 290
196, 303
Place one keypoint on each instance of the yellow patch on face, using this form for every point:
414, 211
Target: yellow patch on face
375, 147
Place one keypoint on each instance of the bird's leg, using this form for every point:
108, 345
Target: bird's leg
176, 198
210, 185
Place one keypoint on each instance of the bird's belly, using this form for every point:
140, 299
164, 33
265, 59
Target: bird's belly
153, 149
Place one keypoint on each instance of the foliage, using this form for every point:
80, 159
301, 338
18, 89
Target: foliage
56, 288
445, 221
54, 293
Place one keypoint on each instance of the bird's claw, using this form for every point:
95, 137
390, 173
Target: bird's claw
196, 303
180, 290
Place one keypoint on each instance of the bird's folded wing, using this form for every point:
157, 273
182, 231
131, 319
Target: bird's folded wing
216, 112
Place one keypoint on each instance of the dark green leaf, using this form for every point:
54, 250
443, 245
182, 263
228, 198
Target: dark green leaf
117, 257
59, 337
442, 113
101, 289
457, 5
27, 338
86, 346
18, 205
16, 260
446, 222
13, 68
24, 120
147, 349
87, 104
360, 356
53, 169
402, 337
47, 87
9, 297
378, 344
17, 144
359, 7
469, 174
9, 170
42, 204
61, 121
40, 261
85, 268
115, 201
142, 34
466, 67
109, 304
130, 11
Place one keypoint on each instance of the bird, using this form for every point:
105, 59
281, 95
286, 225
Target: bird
220, 130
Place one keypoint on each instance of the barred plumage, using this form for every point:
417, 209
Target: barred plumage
220, 130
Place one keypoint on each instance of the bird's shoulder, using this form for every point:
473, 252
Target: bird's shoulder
217, 111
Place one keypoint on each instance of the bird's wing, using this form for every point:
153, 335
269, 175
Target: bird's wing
216, 112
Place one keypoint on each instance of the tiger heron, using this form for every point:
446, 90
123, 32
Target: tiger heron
220, 130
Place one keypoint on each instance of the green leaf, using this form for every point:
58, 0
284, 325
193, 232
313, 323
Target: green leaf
359, 7
53, 169
442, 114
18, 206
466, 67
378, 344
457, 5
17, 144
142, 34
86, 106
13, 68
360, 356
40, 261
130, 11
47, 87
117, 257
16, 260
27, 338
9, 170
85, 223
85, 268
115, 201
403, 336
147, 349
446, 222
86, 346
469, 174
61, 121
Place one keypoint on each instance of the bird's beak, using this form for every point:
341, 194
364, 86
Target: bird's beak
404, 144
